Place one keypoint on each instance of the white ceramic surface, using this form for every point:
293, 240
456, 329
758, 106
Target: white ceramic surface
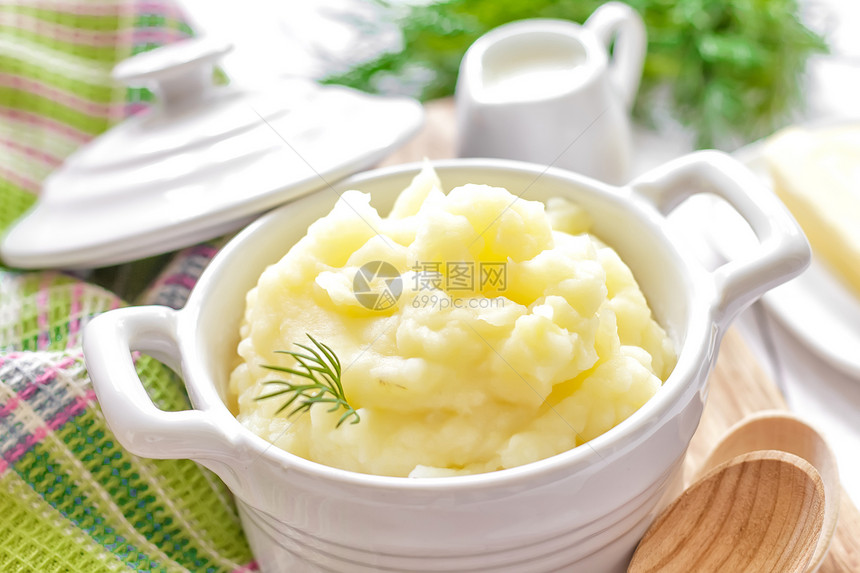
546, 91
816, 306
582, 511
202, 162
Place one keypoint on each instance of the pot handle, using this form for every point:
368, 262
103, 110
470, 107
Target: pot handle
783, 251
141, 427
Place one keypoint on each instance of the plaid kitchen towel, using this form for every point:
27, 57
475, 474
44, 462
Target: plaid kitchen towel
71, 499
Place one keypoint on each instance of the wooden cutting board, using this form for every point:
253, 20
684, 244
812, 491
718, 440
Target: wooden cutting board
738, 386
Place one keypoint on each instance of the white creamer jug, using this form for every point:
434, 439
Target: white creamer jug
547, 91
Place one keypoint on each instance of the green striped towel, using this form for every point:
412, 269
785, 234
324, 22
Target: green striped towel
71, 499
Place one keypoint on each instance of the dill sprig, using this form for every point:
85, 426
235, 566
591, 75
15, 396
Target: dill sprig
322, 370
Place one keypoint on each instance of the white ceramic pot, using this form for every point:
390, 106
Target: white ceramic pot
582, 510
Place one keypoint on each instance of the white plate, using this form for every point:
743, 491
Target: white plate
142, 189
815, 306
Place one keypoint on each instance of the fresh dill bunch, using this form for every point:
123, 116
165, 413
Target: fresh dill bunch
321, 369
728, 69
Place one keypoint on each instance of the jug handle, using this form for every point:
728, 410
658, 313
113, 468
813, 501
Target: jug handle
622, 23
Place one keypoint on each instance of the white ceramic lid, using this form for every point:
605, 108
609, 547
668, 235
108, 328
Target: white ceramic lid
203, 162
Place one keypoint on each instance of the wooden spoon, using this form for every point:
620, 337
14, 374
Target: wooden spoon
781, 430
758, 512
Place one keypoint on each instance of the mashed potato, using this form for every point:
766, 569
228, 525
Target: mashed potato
516, 335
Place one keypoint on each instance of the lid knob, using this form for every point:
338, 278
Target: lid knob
177, 72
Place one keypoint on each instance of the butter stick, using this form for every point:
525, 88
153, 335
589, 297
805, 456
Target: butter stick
816, 173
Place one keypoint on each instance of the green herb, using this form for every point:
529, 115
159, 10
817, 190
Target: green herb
728, 69
322, 369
